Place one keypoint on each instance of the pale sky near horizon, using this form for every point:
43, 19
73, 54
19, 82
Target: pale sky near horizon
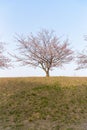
67, 17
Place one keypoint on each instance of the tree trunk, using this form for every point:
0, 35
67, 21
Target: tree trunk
47, 73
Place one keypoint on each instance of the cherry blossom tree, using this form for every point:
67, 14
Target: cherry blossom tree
4, 60
43, 50
82, 58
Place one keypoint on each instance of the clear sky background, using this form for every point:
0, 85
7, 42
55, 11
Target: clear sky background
67, 17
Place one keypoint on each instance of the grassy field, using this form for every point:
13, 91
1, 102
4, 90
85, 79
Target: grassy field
55, 103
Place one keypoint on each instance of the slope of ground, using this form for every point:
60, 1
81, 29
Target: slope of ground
55, 103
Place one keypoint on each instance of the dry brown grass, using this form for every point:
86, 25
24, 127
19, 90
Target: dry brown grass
55, 103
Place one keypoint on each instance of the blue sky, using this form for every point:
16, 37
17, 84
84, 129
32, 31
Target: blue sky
67, 17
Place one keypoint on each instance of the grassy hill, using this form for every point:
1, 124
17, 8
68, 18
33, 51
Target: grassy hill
55, 103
